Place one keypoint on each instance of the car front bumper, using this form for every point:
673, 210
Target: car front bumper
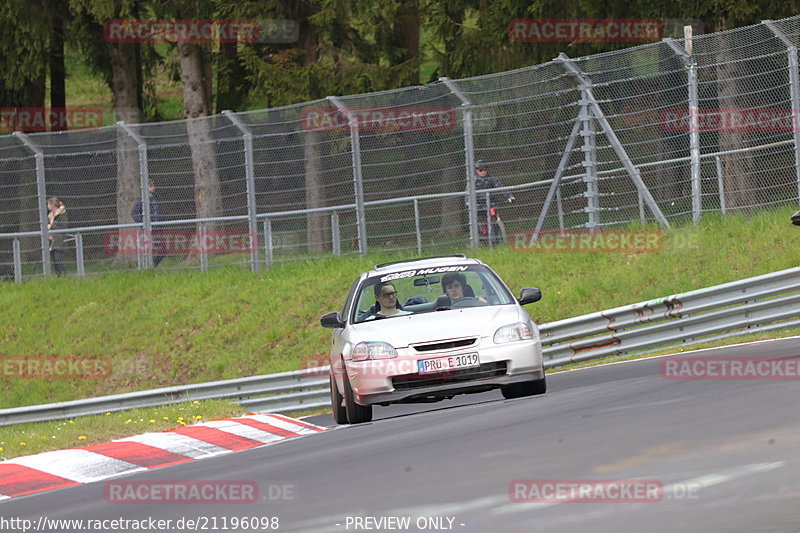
397, 379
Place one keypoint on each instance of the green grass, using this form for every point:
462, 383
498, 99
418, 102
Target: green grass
161, 328
38, 437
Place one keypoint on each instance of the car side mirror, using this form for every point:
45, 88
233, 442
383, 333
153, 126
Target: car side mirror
529, 295
332, 320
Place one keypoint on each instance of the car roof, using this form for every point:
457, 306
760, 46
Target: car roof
422, 262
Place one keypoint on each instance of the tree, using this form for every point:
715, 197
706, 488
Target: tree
22, 84
120, 65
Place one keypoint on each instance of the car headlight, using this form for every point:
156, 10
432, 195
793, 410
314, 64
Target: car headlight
373, 350
520, 331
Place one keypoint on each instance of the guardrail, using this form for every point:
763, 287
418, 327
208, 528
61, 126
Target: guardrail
761, 303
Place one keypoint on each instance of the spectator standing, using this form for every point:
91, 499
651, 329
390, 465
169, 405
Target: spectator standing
137, 214
57, 219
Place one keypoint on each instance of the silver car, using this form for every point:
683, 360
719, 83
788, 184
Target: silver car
424, 330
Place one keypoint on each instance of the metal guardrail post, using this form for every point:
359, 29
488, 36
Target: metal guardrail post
358, 178
17, 260
694, 127
336, 237
41, 194
469, 155
632, 171
79, 255
146, 258
250, 178
794, 93
268, 241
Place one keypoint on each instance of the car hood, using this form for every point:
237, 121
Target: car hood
437, 325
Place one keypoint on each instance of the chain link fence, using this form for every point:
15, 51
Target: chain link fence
659, 133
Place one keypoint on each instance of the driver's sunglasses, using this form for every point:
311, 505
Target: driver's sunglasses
388, 294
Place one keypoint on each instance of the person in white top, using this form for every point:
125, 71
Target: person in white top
386, 301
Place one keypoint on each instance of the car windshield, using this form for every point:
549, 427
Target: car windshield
430, 289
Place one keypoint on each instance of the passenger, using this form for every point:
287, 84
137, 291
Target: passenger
386, 303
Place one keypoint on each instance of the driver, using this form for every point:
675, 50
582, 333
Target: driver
454, 283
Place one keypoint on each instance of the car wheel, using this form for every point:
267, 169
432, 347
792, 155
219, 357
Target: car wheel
337, 402
356, 414
525, 388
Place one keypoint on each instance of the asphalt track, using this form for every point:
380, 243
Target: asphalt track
726, 452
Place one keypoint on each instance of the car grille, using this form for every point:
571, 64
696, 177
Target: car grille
444, 345
413, 381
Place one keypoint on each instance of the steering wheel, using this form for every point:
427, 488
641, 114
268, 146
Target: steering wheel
467, 301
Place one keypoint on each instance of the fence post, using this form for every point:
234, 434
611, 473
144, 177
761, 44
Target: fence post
589, 160
250, 178
694, 128
268, 241
720, 184
336, 238
17, 260
555, 186
469, 155
79, 255
794, 94
41, 193
358, 178
417, 229
623, 156
201, 244
146, 258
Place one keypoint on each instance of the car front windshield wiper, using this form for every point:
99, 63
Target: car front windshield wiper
443, 308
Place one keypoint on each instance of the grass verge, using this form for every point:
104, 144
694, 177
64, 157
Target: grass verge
160, 328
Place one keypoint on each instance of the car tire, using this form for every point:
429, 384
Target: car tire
525, 388
337, 402
356, 414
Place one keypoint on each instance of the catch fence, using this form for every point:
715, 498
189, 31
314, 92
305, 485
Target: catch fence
651, 134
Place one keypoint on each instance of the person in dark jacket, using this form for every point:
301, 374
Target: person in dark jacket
137, 214
57, 219
483, 182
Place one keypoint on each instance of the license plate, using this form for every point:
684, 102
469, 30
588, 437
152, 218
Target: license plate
441, 364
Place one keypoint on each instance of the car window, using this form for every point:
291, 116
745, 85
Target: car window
423, 291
